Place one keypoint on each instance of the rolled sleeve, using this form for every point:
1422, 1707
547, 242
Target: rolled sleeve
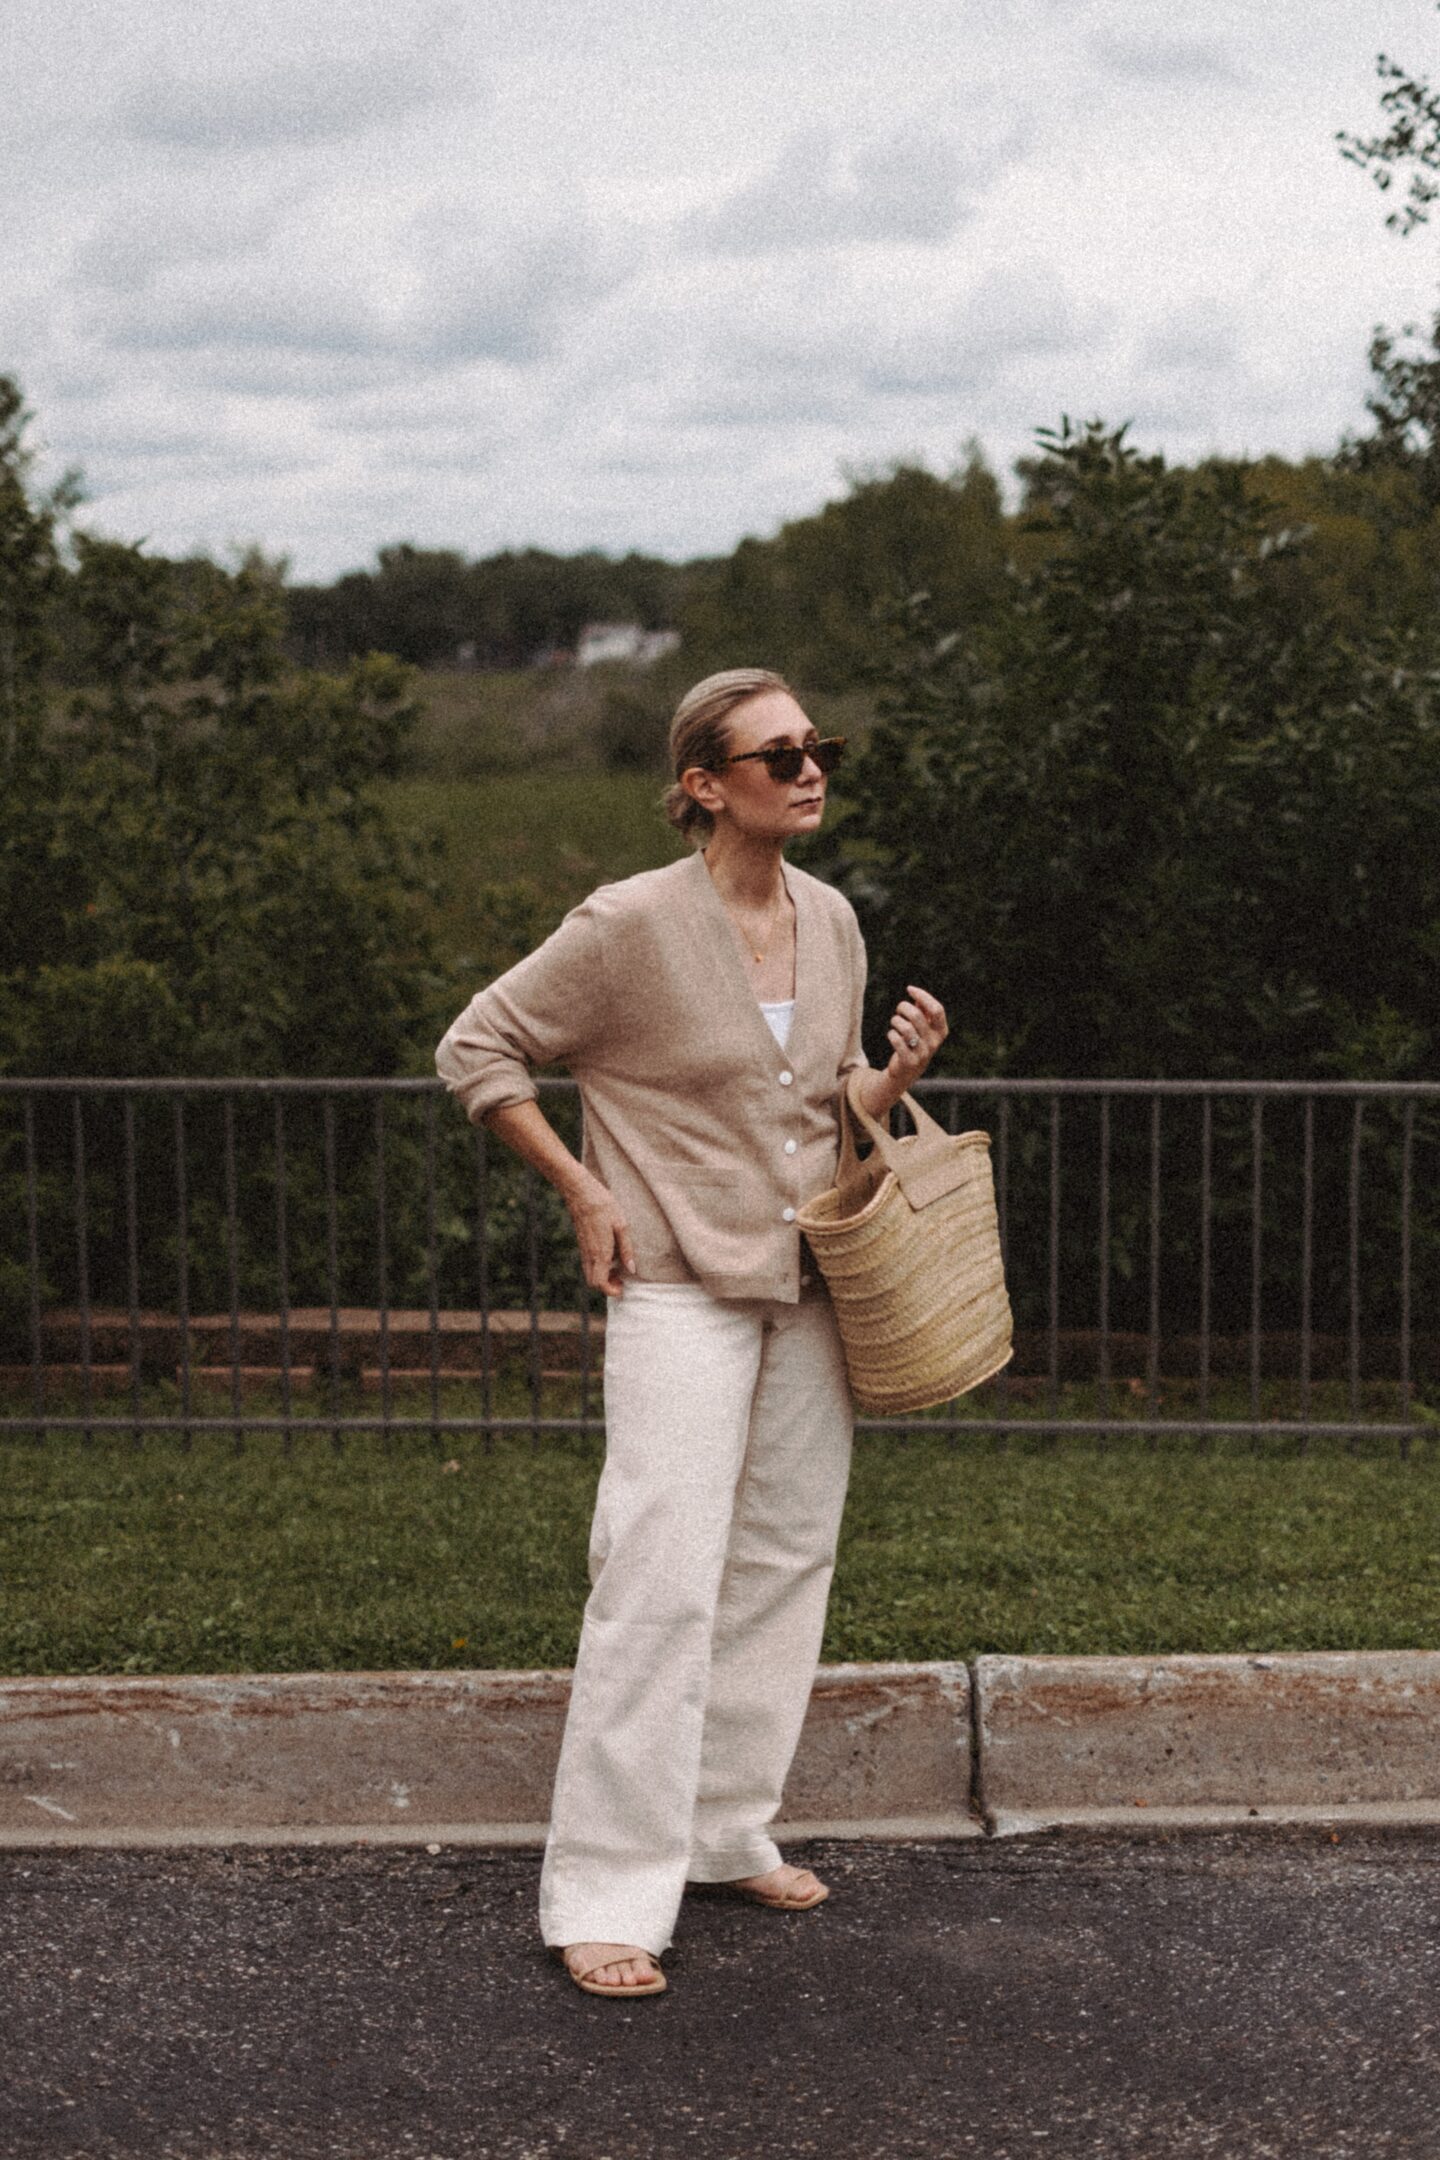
544, 1011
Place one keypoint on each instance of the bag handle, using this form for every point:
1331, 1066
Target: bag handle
932, 1163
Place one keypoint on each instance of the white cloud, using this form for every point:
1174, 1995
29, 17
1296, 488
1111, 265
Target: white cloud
329, 87
1164, 58
1202, 337
900, 188
325, 272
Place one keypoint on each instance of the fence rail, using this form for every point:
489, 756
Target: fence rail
1185, 1258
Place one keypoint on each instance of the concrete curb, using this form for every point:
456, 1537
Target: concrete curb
1296, 1736
888, 1751
446, 1757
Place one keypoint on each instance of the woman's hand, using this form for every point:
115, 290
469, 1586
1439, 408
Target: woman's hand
916, 1033
606, 1253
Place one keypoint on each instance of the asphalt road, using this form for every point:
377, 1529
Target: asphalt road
1243, 1996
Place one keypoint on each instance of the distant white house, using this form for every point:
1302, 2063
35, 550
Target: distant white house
623, 641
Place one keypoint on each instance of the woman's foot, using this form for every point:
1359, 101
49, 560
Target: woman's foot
603, 1968
788, 1889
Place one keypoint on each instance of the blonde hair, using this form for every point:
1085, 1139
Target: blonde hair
700, 735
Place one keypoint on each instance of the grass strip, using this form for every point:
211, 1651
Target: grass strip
118, 1557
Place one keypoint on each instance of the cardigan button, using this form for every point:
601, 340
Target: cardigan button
787, 1214
786, 1078
790, 1146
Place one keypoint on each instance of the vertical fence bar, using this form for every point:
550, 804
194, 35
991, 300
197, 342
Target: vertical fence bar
232, 1266
586, 1354
1257, 1195
432, 1272
1357, 1130
532, 1284
1152, 1352
332, 1272
1207, 1160
382, 1271
182, 1275
32, 1266
132, 1267
482, 1267
951, 1121
282, 1270
1307, 1270
1407, 1159
1103, 1313
1002, 1209
1054, 1392
82, 1267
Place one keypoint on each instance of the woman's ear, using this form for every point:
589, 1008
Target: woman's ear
703, 787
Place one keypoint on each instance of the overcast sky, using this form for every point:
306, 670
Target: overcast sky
324, 274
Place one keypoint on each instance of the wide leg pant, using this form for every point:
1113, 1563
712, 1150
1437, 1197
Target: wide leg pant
727, 1455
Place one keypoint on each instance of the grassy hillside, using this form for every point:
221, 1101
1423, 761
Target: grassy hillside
548, 837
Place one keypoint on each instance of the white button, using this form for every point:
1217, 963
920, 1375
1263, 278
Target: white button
786, 1078
805, 1281
790, 1146
788, 1215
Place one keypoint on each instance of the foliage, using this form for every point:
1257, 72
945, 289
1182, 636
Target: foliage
199, 873
1151, 817
1405, 443
223, 880
1412, 144
431, 606
809, 601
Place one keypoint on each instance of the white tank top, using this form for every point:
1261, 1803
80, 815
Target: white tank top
779, 1016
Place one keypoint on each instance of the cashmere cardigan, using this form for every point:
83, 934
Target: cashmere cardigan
707, 1134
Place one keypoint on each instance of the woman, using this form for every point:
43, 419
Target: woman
710, 1012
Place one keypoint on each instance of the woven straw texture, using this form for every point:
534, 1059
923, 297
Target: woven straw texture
915, 1275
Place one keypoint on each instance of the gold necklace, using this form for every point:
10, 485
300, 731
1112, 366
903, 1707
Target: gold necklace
759, 957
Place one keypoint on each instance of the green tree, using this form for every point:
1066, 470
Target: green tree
1409, 147
1151, 816
811, 600
197, 870
31, 906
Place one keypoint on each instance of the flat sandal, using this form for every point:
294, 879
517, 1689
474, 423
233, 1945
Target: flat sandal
582, 1980
787, 1900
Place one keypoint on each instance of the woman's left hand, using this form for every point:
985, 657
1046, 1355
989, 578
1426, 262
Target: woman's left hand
915, 1034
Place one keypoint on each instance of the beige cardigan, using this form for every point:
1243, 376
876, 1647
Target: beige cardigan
708, 1135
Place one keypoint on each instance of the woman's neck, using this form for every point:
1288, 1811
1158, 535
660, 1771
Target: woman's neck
746, 870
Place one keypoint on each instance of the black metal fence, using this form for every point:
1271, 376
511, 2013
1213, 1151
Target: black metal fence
1194, 1258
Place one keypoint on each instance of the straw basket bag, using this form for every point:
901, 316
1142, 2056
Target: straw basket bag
909, 1243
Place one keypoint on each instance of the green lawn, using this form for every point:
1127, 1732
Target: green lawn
125, 1558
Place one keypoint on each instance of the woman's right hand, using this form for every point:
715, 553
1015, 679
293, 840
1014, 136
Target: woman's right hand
606, 1253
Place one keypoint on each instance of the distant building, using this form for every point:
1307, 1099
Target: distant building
623, 641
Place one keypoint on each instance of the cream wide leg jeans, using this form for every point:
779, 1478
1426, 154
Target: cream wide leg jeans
728, 1430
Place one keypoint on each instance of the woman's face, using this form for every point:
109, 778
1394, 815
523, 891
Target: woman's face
756, 804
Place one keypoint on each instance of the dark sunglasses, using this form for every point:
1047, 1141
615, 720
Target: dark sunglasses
786, 761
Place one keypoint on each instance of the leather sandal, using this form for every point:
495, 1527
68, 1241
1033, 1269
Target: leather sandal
655, 1986
786, 1901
